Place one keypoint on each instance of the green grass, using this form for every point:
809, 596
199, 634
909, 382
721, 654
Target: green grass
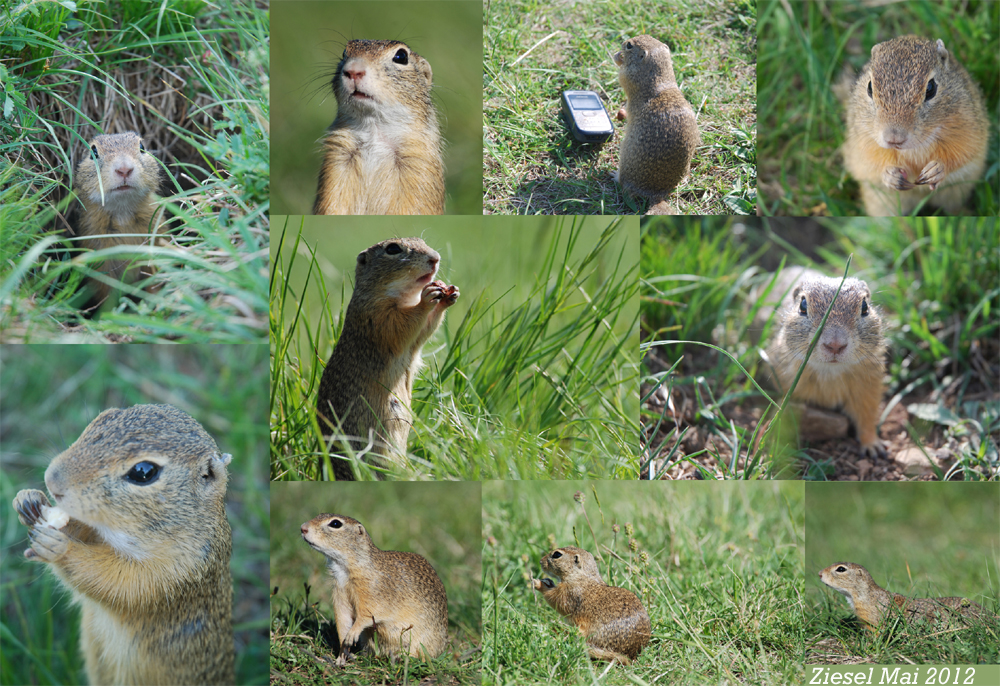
933, 278
917, 539
440, 521
718, 567
48, 395
309, 39
533, 373
533, 51
191, 79
805, 46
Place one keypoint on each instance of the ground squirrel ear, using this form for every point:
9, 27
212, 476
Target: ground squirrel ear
942, 52
425, 69
363, 257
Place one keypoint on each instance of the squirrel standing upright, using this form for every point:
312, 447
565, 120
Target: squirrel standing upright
383, 151
139, 535
661, 133
365, 390
395, 596
916, 124
612, 620
117, 182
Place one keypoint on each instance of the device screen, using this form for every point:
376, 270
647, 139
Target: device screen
585, 102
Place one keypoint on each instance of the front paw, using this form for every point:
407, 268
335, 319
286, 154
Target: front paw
895, 179
28, 504
47, 544
932, 174
873, 449
450, 295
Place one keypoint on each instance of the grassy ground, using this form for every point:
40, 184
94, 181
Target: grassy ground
920, 540
935, 282
534, 51
440, 521
48, 395
190, 78
309, 40
804, 47
533, 373
722, 580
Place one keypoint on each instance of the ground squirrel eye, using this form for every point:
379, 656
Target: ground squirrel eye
401, 57
142, 148
143, 473
93, 149
864, 308
841, 568
803, 310
869, 88
393, 249
556, 555
335, 524
931, 90
628, 45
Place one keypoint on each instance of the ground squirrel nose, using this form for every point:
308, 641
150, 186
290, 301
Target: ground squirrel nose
836, 347
304, 528
354, 74
124, 170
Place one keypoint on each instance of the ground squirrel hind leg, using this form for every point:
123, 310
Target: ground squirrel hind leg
609, 655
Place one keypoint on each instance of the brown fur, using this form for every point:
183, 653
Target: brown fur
873, 604
900, 145
661, 134
846, 367
367, 384
395, 595
118, 190
383, 151
612, 620
148, 564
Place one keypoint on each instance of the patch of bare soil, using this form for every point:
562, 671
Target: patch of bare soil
689, 436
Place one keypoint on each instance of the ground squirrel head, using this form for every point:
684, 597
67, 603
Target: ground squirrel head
644, 67
853, 331
570, 564
118, 174
384, 79
343, 540
145, 478
396, 269
846, 578
904, 95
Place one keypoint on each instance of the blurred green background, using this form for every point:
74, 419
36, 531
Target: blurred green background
307, 41
946, 536
48, 395
495, 258
441, 521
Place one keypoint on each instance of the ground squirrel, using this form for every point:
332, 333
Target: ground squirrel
845, 369
611, 619
383, 151
660, 133
915, 123
117, 182
872, 603
366, 386
394, 595
139, 535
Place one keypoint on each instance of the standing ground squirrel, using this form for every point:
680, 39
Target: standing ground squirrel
915, 123
383, 151
872, 603
395, 596
845, 369
117, 182
660, 132
367, 384
139, 535
611, 619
